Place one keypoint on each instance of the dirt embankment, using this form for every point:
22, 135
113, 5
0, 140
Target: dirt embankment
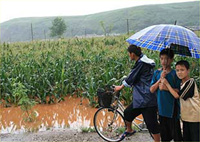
68, 135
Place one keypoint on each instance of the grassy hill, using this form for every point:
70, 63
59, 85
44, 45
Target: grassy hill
115, 21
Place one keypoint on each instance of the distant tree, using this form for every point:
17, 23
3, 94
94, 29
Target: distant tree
106, 30
58, 27
103, 27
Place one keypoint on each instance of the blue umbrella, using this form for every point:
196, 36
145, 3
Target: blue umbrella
157, 37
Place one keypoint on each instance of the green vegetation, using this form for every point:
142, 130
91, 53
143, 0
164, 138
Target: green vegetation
87, 129
19, 92
120, 130
58, 27
20, 97
186, 14
47, 71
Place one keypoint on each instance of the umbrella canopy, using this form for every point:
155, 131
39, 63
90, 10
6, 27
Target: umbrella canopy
157, 37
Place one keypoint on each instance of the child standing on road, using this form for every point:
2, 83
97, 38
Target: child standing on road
168, 106
190, 101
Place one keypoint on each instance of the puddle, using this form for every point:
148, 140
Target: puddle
69, 113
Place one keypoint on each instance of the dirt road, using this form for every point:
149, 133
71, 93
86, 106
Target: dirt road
67, 135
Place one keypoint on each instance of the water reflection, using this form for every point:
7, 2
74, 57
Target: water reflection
64, 114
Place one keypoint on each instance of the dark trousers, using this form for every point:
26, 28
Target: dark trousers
191, 131
170, 129
149, 114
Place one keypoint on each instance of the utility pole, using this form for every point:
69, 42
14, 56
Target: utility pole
175, 22
32, 31
10, 38
127, 22
45, 35
72, 32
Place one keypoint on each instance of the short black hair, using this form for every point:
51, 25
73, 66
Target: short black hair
134, 49
183, 63
168, 52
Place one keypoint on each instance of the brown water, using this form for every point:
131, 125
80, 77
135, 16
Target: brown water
70, 113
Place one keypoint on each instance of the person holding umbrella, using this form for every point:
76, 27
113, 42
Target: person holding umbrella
168, 106
144, 102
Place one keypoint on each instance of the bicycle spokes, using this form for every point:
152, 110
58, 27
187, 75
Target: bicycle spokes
109, 124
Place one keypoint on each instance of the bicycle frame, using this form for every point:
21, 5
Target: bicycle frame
120, 107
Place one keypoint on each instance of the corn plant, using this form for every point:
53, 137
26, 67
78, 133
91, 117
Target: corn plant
51, 70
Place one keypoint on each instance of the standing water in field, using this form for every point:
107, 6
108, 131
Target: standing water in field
71, 113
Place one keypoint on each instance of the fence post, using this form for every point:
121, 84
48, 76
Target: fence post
127, 26
31, 31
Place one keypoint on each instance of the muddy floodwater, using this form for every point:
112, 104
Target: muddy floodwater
71, 113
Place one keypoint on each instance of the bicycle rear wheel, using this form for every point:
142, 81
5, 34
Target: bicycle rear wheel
109, 124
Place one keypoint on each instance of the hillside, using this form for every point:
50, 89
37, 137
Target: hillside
186, 14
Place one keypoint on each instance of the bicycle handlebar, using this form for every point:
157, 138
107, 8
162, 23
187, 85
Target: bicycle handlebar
117, 92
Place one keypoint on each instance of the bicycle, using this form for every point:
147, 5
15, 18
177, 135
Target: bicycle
109, 120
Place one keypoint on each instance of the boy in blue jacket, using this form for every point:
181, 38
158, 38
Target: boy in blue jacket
144, 102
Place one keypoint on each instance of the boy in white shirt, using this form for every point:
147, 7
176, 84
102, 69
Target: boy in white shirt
190, 101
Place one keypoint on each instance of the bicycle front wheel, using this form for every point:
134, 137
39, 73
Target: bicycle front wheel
109, 124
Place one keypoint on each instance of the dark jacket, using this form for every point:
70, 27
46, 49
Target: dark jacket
140, 79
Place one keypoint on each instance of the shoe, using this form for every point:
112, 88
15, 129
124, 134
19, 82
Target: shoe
126, 134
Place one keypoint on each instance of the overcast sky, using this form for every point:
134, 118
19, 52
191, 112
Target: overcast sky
10, 9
